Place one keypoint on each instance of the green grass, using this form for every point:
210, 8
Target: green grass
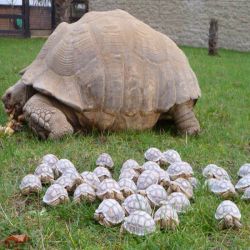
223, 112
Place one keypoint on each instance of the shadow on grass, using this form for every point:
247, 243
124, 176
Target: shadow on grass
165, 126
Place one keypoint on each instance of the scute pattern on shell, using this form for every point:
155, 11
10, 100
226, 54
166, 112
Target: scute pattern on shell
179, 202
111, 210
136, 202
91, 178
129, 174
156, 194
221, 186
244, 170
246, 195
55, 194
243, 183
139, 223
151, 165
130, 164
163, 176
180, 169
50, 159
102, 172
72, 51
30, 183
166, 212
213, 171
153, 154
64, 164
84, 190
184, 186
74, 176
66, 182
45, 173
146, 179
227, 207
104, 160
172, 156
126, 183
107, 185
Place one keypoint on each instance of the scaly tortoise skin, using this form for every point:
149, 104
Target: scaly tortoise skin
109, 71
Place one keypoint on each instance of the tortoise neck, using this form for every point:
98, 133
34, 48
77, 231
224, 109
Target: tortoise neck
30, 91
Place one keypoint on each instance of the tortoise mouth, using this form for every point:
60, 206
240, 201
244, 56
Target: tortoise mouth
13, 111
8, 110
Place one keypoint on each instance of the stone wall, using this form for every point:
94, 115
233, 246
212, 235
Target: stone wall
187, 21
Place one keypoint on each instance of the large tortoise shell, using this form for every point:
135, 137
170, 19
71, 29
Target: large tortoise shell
113, 63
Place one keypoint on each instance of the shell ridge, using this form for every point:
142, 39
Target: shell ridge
100, 56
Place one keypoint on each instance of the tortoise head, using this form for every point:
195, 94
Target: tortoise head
15, 98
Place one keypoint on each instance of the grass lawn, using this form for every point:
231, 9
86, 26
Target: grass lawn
224, 114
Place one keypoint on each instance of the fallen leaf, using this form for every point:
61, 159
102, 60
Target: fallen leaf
16, 239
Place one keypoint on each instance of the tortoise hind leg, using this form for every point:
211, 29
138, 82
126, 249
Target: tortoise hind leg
46, 120
185, 119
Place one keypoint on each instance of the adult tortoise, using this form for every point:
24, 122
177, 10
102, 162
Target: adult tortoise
109, 71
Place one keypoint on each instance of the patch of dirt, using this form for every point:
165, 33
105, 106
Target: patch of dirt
19, 203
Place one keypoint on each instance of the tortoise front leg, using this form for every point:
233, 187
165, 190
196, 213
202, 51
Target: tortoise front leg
185, 119
46, 120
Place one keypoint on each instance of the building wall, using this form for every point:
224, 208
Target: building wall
40, 17
187, 21
8, 24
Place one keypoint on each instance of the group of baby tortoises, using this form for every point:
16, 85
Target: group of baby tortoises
147, 194
219, 183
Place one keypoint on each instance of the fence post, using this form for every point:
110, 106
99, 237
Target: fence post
26, 13
53, 15
213, 38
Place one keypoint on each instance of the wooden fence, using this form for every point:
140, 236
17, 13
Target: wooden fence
22, 20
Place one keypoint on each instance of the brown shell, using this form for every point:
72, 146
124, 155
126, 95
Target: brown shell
110, 62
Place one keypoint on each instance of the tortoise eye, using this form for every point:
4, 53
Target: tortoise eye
8, 95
